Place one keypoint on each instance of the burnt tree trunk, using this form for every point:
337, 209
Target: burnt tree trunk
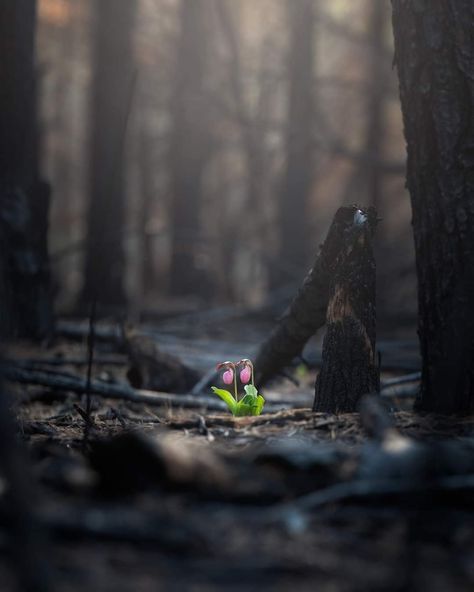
293, 212
434, 50
349, 370
112, 86
189, 146
25, 299
307, 312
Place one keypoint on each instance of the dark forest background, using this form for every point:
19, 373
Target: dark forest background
197, 151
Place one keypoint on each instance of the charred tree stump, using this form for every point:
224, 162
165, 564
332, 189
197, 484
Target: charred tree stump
307, 312
349, 368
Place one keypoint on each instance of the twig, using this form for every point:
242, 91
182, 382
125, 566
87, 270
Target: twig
402, 391
204, 383
90, 358
406, 378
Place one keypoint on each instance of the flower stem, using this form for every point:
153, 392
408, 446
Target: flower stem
235, 387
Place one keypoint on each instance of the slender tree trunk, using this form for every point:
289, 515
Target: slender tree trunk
376, 93
434, 45
25, 306
112, 87
146, 152
367, 176
293, 207
189, 146
252, 132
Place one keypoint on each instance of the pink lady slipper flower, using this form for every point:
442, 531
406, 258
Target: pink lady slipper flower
246, 373
251, 402
228, 376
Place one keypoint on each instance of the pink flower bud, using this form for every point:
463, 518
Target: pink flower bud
228, 376
245, 375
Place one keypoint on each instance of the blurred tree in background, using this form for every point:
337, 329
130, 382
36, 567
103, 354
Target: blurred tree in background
189, 145
295, 248
24, 197
111, 96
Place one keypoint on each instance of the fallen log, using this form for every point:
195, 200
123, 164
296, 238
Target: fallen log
64, 382
349, 370
307, 312
123, 392
152, 369
64, 361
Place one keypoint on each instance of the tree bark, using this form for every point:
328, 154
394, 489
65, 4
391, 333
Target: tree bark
434, 52
25, 300
349, 371
293, 210
189, 147
112, 87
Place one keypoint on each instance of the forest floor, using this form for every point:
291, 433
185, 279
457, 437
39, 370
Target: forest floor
160, 497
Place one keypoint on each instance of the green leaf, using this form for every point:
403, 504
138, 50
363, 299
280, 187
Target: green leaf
227, 398
243, 409
259, 405
250, 390
248, 400
250, 405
